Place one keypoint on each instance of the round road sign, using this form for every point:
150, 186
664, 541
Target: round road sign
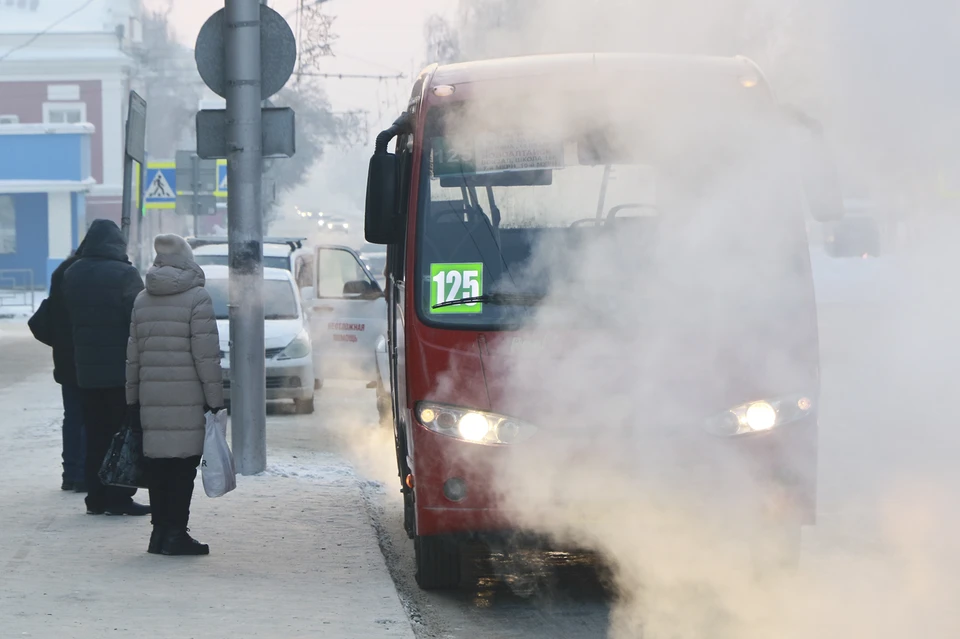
278, 52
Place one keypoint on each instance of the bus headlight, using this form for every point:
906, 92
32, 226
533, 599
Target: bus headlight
759, 416
478, 427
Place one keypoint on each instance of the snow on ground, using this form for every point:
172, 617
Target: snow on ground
293, 553
16, 304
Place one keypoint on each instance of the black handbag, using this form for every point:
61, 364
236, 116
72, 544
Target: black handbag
124, 463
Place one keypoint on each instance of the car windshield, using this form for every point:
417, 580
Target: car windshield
279, 300
494, 201
269, 261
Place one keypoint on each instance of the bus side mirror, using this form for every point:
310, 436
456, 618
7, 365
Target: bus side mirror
819, 173
381, 217
821, 187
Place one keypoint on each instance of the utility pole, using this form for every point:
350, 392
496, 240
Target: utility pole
228, 54
245, 235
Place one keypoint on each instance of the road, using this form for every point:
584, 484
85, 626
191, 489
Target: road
874, 565
883, 446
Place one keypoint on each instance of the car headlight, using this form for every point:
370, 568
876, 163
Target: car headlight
298, 348
474, 426
759, 416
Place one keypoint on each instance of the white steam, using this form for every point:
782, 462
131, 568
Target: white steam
674, 516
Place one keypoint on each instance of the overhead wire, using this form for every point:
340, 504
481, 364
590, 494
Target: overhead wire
45, 30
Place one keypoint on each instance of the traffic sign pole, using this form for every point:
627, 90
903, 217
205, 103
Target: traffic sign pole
245, 53
134, 150
142, 217
245, 234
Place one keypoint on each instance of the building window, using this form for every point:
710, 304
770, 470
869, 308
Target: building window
8, 225
9, 119
64, 112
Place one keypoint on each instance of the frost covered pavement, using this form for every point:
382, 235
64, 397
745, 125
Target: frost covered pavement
293, 553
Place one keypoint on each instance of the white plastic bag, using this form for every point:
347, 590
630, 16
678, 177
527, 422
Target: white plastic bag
217, 469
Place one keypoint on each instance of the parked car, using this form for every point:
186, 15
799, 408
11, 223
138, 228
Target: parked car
375, 259
278, 252
289, 348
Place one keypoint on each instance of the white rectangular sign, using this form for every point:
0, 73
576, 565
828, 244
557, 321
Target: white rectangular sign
516, 152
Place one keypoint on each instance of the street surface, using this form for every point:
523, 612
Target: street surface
309, 548
293, 553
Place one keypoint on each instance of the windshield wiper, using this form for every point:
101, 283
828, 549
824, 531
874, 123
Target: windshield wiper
497, 299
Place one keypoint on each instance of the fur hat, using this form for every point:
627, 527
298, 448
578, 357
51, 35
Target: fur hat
172, 245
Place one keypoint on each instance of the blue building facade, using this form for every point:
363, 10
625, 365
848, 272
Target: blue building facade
44, 177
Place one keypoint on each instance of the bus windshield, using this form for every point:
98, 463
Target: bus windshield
499, 208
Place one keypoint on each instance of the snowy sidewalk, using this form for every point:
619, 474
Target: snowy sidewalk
293, 553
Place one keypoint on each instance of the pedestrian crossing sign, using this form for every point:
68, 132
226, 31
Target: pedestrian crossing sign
160, 190
221, 179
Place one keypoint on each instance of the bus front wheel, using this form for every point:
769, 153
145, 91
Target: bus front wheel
438, 562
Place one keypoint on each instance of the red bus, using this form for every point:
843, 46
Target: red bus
495, 160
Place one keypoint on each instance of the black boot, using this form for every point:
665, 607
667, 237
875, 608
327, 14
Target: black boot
179, 542
66, 484
132, 508
156, 539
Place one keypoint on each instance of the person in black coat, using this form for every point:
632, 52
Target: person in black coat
99, 290
51, 326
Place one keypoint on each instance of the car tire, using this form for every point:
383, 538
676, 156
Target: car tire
304, 406
438, 562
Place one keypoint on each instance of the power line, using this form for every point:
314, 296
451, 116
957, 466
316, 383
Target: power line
352, 76
50, 27
365, 61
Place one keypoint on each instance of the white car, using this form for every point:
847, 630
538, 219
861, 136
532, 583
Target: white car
347, 312
277, 252
375, 258
334, 225
289, 348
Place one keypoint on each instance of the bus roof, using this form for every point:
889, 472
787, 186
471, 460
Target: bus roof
589, 64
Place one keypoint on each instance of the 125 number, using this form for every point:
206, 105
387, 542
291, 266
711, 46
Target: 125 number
457, 285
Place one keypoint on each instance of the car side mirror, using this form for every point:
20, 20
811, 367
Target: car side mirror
362, 289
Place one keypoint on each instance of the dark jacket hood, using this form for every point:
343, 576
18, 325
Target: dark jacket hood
104, 240
78, 252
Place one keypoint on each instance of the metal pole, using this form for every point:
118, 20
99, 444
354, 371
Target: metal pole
195, 187
245, 235
142, 217
127, 193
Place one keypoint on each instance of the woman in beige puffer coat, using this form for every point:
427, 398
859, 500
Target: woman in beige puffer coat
173, 373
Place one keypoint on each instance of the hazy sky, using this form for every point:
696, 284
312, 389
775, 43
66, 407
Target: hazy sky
375, 37
380, 37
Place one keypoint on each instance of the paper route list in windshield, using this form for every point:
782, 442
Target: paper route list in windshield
516, 152
497, 153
